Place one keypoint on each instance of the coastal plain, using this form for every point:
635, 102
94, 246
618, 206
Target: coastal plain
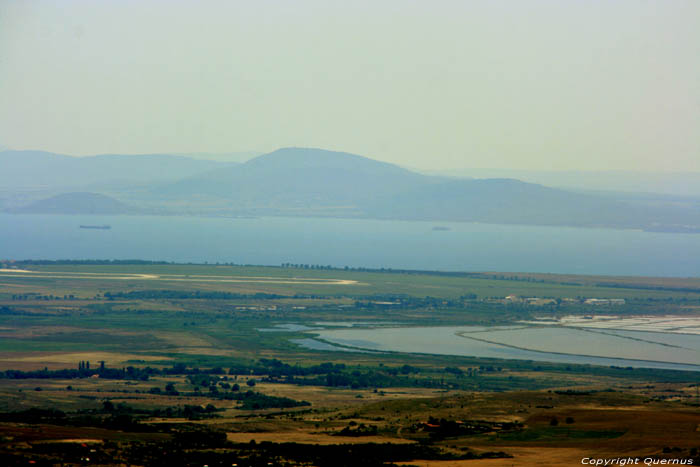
119, 362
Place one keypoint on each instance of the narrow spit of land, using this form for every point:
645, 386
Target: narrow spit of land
176, 277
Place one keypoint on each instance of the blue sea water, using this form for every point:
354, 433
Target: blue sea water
352, 242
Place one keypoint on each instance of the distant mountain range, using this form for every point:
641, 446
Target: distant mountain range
315, 182
39, 169
77, 203
682, 184
300, 178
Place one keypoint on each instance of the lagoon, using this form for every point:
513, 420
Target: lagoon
546, 343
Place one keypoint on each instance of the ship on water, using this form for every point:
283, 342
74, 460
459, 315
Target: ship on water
98, 227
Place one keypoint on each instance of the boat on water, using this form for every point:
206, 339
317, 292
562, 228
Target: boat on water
440, 228
98, 227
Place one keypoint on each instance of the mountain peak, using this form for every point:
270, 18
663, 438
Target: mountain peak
304, 158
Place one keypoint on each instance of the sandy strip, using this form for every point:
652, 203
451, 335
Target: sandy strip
183, 278
72, 440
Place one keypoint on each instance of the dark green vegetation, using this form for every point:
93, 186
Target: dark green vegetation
211, 448
144, 358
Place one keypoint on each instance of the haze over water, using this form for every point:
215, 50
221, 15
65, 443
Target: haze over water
354, 243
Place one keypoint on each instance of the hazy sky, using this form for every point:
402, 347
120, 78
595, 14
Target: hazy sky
430, 84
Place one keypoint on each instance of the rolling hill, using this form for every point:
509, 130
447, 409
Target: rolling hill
299, 177
77, 203
45, 170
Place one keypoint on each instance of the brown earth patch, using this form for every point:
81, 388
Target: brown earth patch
38, 360
522, 457
305, 437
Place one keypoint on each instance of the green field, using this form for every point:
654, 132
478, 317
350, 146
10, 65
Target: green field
416, 284
208, 313
179, 350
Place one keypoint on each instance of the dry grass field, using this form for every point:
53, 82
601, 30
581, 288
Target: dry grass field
599, 424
